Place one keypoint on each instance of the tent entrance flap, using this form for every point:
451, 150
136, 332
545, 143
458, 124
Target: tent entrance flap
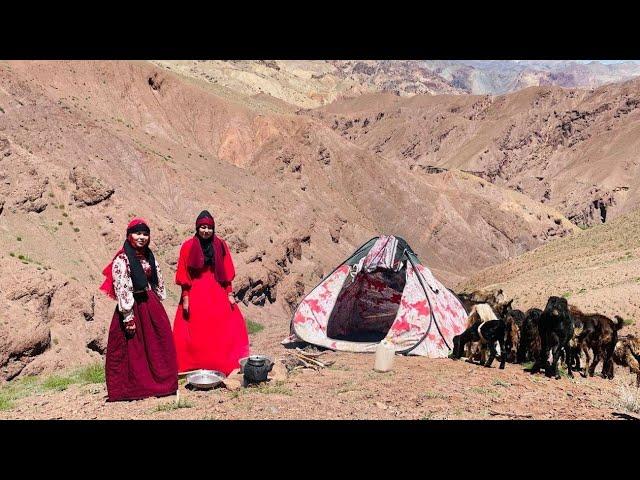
367, 306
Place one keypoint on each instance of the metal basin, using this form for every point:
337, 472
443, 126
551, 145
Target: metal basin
205, 379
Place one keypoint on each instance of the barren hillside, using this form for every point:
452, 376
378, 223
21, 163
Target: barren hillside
87, 145
574, 150
597, 269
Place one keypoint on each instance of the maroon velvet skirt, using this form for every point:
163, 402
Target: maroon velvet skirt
143, 365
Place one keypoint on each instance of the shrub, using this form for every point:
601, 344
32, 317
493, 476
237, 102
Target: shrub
92, 373
58, 383
253, 327
164, 407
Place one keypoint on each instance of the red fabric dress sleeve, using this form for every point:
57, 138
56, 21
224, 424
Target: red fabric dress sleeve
228, 268
182, 273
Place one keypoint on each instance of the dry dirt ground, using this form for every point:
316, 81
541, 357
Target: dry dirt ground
417, 388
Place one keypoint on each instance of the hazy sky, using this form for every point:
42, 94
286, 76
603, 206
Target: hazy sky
606, 61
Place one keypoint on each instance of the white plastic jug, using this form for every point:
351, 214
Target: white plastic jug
384, 357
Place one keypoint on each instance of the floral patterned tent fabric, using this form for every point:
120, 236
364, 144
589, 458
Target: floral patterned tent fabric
381, 292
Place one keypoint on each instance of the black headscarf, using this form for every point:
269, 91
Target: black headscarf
138, 277
206, 244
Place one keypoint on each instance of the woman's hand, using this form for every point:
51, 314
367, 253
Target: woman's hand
130, 327
185, 306
232, 298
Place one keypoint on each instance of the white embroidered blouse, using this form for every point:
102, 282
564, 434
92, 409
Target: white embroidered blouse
123, 285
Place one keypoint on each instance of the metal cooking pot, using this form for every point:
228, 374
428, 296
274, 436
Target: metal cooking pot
256, 368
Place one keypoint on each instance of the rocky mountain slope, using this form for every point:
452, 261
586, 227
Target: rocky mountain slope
496, 77
596, 269
575, 150
84, 146
311, 84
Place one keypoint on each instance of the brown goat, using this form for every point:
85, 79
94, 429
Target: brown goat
495, 299
598, 333
627, 354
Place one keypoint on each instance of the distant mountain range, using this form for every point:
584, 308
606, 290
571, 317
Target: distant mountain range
311, 84
505, 76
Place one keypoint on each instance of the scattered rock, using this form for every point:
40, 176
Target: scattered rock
29, 194
155, 82
278, 372
89, 189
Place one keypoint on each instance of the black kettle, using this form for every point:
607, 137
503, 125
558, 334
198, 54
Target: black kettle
257, 369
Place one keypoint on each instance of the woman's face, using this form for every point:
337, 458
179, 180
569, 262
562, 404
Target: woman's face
205, 232
140, 239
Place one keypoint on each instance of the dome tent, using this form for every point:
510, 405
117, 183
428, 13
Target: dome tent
381, 292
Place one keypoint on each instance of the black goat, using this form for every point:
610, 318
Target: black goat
529, 348
556, 331
487, 333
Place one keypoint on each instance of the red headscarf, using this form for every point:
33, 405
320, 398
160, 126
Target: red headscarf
107, 285
223, 265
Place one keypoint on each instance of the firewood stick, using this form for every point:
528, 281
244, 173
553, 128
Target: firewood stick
311, 360
309, 354
511, 415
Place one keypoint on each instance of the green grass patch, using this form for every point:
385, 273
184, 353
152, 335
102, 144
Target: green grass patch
23, 387
339, 366
347, 387
167, 407
486, 391
17, 389
58, 382
254, 327
237, 393
277, 388
566, 294
628, 321
500, 383
431, 395
91, 374
5, 403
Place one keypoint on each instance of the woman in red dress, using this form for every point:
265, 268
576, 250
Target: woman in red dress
209, 330
141, 356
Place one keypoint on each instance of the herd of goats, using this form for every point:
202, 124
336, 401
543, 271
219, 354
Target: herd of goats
560, 331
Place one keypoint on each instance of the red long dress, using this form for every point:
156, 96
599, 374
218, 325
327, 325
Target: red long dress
143, 365
214, 335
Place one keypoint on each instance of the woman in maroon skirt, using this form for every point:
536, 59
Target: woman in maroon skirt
141, 356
